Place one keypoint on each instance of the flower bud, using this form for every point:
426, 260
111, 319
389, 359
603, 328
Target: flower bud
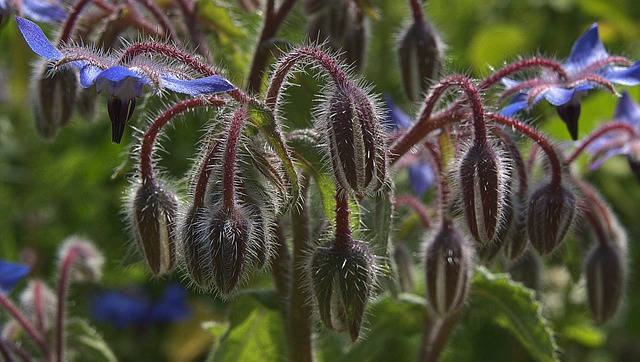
482, 187
605, 275
153, 215
87, 259
448, 265
229, 234
516, 238
196, 248
39, 304
421, 54
342, 278
551, 211
403, 265
355, 143
56, 95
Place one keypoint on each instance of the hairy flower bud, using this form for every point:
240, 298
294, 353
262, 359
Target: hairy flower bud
355, 143
551, 211
229, 233
56, 95
421, 54
153, 216
342, 278
516, 238
605, 275
87, 260
483, 189
196, 248
448, 265
39, 303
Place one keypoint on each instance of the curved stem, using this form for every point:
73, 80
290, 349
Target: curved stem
607, 127
26, 325
556, 166
150, 136
72, 18
230, 158
162, 18
521, 169
188, 8
443, 189
435, 341
297, 55
417, 206
416, 11
63, 287
595, 209
205, 172
535, 62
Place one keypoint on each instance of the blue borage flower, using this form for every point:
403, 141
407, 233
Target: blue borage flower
123, 83
48, 11
588, 66
421, 175
134, 307
618, 142
10, 274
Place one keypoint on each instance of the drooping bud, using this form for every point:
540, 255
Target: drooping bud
482, 186
448, 265
421, 53
39, 303
551, 211
355, 143
516, 238
153, 214
342, 277
196, 248
403, 265
605, 275
87, 260
229, 233
56, 95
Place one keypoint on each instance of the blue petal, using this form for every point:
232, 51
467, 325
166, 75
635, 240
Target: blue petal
36, 39
120, 82
10, 274
119, 308
624, 75
599, 159
587, 49
396, 118
88, 75
172, 306
628, 110
558, 95
518, 103
194, 87
45, 11
421, 177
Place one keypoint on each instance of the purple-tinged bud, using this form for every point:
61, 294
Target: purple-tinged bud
56, 95
482, 180
448, 265
120, 112
516, 238
196, 248
605, 275
39, 304
551, 211
229, 234
355, 143
153, 214
87, 259
342, 277
421, 53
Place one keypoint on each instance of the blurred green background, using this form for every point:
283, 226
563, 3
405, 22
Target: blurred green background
75, 183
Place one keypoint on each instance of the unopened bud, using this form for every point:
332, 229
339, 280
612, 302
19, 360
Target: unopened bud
355, 143
605, 275
153, 215
516, 238
551, 211
86, 258
421, 54
448, 265
342, 278
39, 303
196, 248
404, 264
482, 188
56, 95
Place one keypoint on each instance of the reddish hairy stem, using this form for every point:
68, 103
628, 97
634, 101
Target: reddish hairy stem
72, 19
150, 136
230, 157
203, 175
416, 11
26, 325
285, 65
556, 166
39, 307
63, 287
592, 204
162, 18
343, 229
190, 17
417, 206
607, 127
521, 65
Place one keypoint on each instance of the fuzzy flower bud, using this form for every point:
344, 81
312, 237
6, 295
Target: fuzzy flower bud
421, 54
342, 278
87, 259
56, 95
448, 265
605, 275
153, 214
515, 236
482, 187
551, 211
196, 249
39, 303
355, 142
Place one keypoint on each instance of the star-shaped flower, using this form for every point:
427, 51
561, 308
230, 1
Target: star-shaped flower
619, 142
48, 11
123, 82
589, 66
10, 274
421, 175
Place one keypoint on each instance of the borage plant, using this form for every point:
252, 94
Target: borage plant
322, 205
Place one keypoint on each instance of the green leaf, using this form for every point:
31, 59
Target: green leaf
264, 120
219, 21
256, 331
514, 307
87, 343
